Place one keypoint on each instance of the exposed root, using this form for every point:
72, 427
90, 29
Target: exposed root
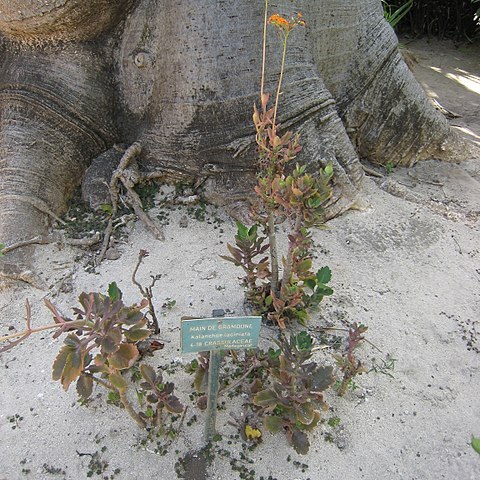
444, 111
40, 205
33, 241
45, 240
371, 172
136, 203
10, 273
127, 175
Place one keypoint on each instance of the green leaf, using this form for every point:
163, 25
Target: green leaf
149, 413
265, 398
84, 386
72, 369
314, 422
113, 397
322, 378
324, 275
273, 423
59, 362
323, 291
200, 380
69, 363
252, 232
125, 357
305, 413
98, 369
314, 202
107, 208
300, 442
136, 335
2, 246
302, 316
133, 316
114, 292
118, 382
304, 266
148, 373
242, 231
476, 444
328, 170
303, 341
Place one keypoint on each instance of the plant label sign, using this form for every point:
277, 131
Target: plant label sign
222, 333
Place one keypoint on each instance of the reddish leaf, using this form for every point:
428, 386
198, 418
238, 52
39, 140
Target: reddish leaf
111, 342
272, 423
173, 405
322, 378
148, 373
300, 442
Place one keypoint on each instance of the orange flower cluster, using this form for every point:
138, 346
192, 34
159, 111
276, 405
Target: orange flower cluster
284, 25
279, 21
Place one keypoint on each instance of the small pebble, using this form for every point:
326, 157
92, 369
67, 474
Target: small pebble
112, 254
183, 222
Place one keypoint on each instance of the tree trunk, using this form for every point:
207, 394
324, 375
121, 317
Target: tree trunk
180, 77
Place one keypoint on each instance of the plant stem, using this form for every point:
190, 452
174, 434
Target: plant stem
280, 78
159, 416
272, 238
29, 331
264, 51
287, 272
343, 387
238, 382
130, 409
101, 382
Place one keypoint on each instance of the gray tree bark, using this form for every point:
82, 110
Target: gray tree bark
180, 77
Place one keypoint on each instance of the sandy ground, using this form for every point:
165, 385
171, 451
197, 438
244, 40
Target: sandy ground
409, 269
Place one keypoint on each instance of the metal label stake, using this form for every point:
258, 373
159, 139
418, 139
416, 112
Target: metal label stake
213, 376
213, 335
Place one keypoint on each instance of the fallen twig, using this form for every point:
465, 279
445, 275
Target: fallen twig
23, 335
147, 292
372, 172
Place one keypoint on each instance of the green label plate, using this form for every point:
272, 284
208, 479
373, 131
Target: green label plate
225, 333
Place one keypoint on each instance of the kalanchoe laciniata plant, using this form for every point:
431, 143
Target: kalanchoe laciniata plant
249, 246
283, 388
297, 197
158, 396
349, 365
103, 344
292, 398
